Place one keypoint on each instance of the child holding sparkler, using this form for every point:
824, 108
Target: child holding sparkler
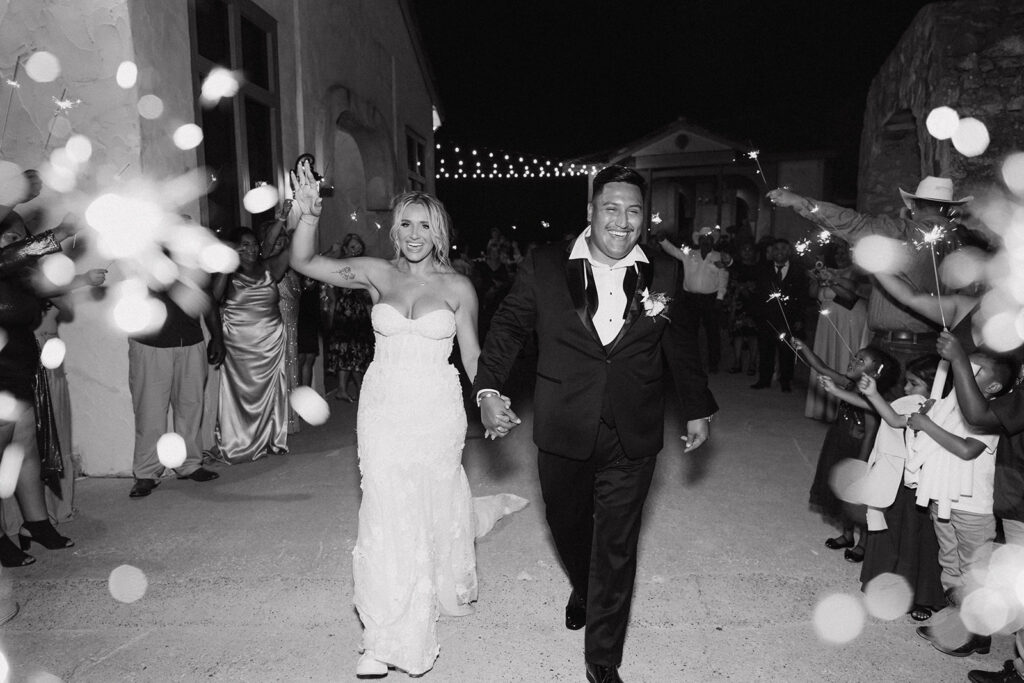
905, 542
850, 436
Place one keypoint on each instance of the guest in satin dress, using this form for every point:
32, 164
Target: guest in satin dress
253, 417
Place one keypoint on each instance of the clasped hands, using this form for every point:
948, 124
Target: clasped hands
497, 416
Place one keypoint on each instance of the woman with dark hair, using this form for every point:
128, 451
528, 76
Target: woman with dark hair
252, 418
414, 556
350, 348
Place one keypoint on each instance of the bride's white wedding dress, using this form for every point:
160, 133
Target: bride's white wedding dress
414, 556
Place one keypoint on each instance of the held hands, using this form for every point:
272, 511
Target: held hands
497, 417
918, 421
949, 347
215, 352
697, 432
307, 191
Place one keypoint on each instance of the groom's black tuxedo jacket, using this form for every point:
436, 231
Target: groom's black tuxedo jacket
579, 379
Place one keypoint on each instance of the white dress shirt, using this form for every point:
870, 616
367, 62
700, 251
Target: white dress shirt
702, 276
611, 299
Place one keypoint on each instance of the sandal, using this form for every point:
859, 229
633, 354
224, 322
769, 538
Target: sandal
838, 543
854, 554
920, 613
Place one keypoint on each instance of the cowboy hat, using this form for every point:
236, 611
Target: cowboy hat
715, 232
933, 189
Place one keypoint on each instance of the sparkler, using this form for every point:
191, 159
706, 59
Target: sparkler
779, 297
782, 338
656, 218
929, 239
802, 246
13, 82
825, 314
63, 104
755, 154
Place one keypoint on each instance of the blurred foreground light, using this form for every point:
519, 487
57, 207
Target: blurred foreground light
13, 185
3, 338
52, 353
42, 67
10, 407
127, 583
5, 668
963, 267
985, 611
150, 107
839, 618
58, 269
188, 136
888, 596
171, 450
218, 258
136, 312
1013, 173
309, 405
1000, 332
218, 83
127, 74
877, 254
260, 199
79, 149
59, 178
10, 468
942, 122
847, 480
971, 137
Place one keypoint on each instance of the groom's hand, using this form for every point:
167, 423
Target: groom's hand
697, 432
497, 417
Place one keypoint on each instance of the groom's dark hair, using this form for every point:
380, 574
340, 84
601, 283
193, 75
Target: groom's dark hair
618, 174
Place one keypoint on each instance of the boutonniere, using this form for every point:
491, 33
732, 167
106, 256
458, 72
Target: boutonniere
655, 304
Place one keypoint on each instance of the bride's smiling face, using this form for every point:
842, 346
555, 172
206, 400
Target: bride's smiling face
415, 237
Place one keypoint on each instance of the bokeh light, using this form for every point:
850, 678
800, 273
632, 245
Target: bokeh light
10, 407
984, 611
1012, 171
13, 185
878, 254
260, 199
127, 583
52, 353
971, 137
309, 405
42, 67
218, 258
218, 83
847, 480
171, 450
78, 148
963, 267
135, 311
839, 618
58, 269
1000, 332
888, 596
5, 668
10, 468
127, 74
150, 107
188, 136
942, 122
3, 338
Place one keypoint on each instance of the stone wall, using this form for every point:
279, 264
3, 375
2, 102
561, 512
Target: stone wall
965, 54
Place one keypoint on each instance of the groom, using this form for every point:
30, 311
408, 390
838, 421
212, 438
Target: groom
597, 307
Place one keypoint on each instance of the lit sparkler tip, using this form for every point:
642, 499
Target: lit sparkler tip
753, 154
65, 104
825, 312
656, 218
824, 237
13, 83
814, 208
782, 337
802, 246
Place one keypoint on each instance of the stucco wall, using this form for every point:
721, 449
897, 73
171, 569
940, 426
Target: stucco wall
968, 55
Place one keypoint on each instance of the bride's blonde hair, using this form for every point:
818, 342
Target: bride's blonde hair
440, 224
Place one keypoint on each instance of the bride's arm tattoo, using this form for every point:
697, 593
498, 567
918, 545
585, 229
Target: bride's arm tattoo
345, 273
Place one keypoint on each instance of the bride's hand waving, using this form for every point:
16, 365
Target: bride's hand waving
307, 191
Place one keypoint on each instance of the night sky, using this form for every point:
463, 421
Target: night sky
564, 78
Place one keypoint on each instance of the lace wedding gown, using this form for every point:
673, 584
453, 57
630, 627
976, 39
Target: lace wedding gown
414, 556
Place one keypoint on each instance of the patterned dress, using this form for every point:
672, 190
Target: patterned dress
351, 342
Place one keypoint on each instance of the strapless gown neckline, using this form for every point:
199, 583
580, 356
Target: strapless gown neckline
421, 317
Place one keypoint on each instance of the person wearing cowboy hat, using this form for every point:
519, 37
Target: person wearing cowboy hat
895, 329
705, 281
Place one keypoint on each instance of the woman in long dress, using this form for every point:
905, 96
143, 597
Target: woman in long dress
414, 557
252, 419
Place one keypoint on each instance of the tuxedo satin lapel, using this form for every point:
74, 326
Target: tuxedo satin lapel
578, 291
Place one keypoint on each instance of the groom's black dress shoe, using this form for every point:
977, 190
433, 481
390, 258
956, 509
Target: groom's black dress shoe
597, 673
575, 612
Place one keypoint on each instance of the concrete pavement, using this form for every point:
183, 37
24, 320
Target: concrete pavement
249, 576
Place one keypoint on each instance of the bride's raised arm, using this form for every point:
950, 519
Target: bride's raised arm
355, 273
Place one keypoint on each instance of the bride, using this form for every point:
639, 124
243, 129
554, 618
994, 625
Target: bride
414, 555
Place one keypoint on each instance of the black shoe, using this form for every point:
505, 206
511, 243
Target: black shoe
598, 673
575, 612
855, 554
44, 534
143, 487
786, 389
201, 474
979, 644
760, 385
1007, 675
11, 555
838, 543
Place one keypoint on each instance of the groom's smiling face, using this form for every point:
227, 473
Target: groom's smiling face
616, 218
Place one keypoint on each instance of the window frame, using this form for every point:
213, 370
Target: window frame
416, 177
